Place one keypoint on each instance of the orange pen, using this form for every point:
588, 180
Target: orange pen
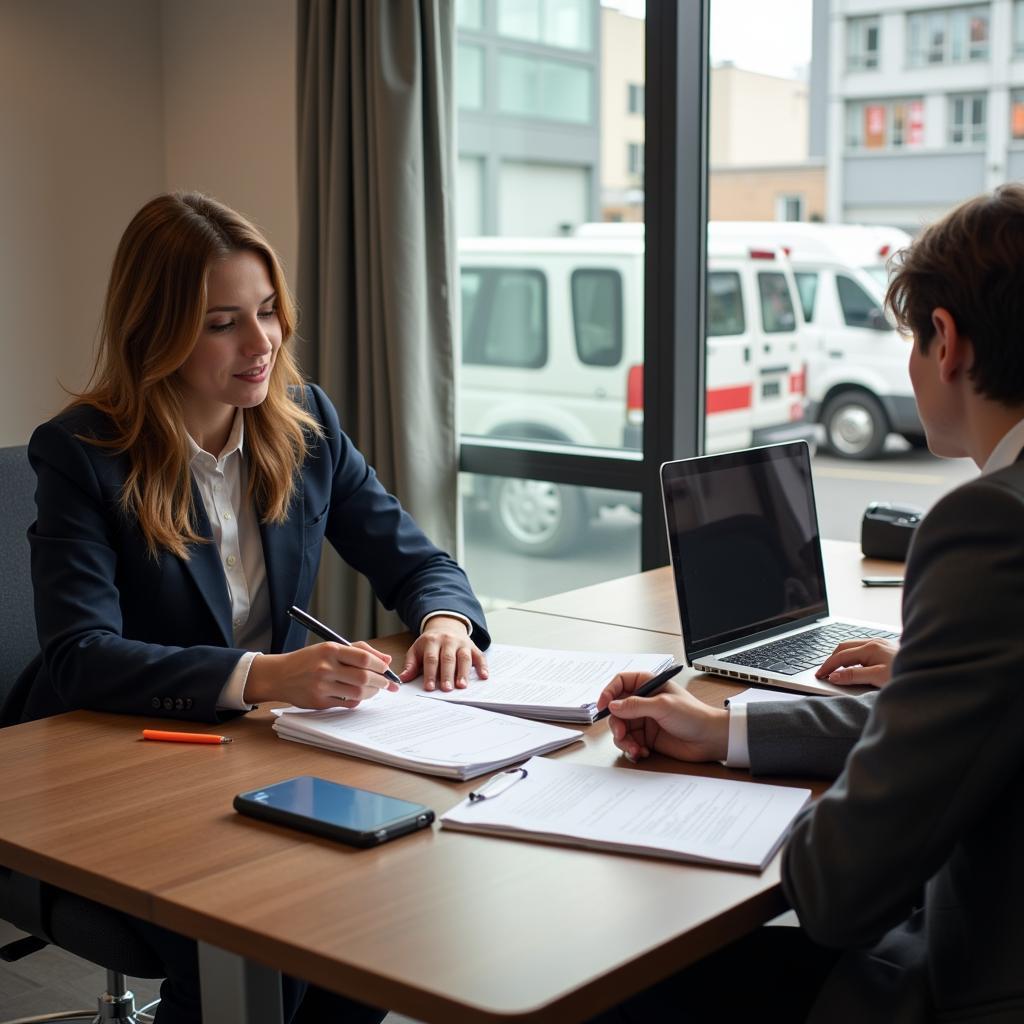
183, 737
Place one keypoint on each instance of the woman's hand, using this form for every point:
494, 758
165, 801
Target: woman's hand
444, 653
672, 722
325, 675
860, 663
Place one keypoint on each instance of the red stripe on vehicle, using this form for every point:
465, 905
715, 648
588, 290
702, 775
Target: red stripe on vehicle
729, 399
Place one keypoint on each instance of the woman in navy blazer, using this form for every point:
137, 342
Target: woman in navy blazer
182, 504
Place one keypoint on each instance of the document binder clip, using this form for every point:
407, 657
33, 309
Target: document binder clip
497, 784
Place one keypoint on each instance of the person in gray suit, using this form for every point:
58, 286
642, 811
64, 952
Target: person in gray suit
908, 867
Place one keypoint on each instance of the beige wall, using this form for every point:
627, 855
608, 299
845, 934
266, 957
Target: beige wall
756, 119
229, 98
751, 193
103, 104
82, 148
622, 62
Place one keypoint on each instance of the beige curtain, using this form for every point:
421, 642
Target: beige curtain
377, 256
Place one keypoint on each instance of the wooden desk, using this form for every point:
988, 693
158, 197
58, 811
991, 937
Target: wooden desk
648, 599
442, 926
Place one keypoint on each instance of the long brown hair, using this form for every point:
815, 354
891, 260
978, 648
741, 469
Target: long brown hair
152, 317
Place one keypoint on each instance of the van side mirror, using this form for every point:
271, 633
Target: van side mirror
877, 321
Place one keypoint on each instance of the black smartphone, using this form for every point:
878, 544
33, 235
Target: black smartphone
882, 581
354, 816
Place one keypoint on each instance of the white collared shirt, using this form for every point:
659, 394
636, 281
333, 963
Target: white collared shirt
1004, 454
222, 482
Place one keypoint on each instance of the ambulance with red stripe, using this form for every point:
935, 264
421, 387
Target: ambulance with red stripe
552, 349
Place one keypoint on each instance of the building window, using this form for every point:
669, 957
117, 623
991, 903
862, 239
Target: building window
885, 124
635, 158
789, 207
967, 120
549, 89
1017, 114
469, 14
565, 23
469, 77
1018, 28
635, 98
861, 44
955, 35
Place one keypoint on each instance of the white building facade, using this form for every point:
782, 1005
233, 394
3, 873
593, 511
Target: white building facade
925, 105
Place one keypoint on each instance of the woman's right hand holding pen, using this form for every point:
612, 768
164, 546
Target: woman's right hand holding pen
326, 675
672, 722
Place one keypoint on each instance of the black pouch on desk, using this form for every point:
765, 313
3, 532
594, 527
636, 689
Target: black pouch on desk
886, 530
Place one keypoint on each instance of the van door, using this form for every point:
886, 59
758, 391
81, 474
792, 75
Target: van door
778, 355
730, 386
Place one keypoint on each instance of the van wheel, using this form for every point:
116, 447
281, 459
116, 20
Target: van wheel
536, 517
855, 425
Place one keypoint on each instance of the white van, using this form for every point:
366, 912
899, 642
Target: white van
858, 385
552, 349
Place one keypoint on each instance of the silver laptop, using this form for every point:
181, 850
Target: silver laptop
746, 556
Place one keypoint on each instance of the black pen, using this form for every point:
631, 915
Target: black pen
652, 685
326, 633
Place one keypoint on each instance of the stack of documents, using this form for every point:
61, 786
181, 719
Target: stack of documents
682, 817
559, 686
404, 730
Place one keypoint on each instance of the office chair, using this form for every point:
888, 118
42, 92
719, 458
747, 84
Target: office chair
50, 915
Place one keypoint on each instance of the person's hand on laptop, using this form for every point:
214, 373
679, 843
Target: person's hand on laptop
859, 663
672, 722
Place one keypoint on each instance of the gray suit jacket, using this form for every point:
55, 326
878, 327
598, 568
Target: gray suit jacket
913, 860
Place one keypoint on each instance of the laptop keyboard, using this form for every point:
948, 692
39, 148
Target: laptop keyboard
795, 654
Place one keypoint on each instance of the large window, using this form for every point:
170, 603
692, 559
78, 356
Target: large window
885, 124
967, 120
862, 35
953, 35
1018, 28
551, 402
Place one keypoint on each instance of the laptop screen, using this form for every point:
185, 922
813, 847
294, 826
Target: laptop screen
743, 533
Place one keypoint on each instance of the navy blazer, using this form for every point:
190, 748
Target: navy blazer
122, 631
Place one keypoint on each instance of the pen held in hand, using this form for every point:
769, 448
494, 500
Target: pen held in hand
652, 686
326, 633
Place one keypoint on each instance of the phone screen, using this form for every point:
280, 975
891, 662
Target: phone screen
343, 806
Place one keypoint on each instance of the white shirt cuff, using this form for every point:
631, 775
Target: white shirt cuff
452, 615
231, 697
738, 752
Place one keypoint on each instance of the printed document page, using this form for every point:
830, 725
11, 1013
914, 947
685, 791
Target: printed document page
399, 729
685, 817
538, 683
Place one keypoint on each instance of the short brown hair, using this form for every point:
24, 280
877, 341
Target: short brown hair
971, 263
